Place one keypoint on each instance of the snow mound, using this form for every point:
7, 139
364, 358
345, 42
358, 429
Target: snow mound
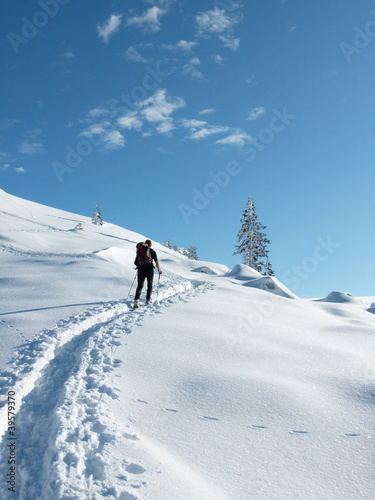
205, 270
117, 255
243, 272
340, 298
253, 279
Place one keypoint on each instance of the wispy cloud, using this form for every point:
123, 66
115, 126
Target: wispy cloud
31, 148
201, 129
255, 113
190, 68
132, 54
215, 21
109, 27
20, 170
221, 23
150, 116
155, 115
114, 140
5, 161
31, 144
96, 112
105, 136
182, 45
149, 21
131, 121
7, 124
218, 59
208, 111
238, 138
67, 54
230, 42
158, 109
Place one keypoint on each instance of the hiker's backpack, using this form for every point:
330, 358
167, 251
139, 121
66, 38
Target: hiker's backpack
143, 257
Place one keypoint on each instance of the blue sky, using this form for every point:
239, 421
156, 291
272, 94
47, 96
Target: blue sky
171, 114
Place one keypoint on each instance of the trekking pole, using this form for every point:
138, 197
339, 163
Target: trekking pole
132, 285
157, 293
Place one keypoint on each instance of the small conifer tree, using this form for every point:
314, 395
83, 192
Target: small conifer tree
192, 252
97, 217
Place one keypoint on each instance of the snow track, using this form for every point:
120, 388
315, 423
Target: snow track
62, 381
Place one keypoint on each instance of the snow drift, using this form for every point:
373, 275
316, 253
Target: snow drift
251, 278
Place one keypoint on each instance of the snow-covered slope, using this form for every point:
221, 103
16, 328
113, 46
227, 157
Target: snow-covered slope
230, 387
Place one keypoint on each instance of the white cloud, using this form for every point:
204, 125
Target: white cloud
218, 59
230, 42
221, 23
31, 145
104, 136
133, 55
208, 131
68, 54
251, 81
190, 68
192, 124
155, 111
209, 111
255, 113
149, 21
109, 27
130, 121
10, 123
31, 148
201, 129
20, 170
94, 113
5, 161
158, 109
114, 140
236, 139
181, 45
216, 21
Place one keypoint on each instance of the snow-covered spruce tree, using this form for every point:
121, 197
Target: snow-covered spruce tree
167, 243
192, 252
252, 241
97, 217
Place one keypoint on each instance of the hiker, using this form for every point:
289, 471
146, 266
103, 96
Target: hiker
144, 263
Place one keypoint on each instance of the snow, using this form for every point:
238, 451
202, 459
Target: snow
227, 387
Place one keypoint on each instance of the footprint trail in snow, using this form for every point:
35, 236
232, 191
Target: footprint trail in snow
62, 381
